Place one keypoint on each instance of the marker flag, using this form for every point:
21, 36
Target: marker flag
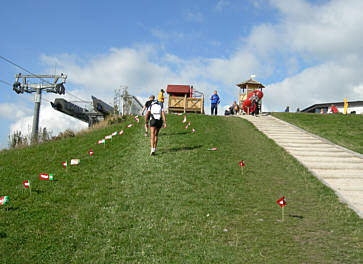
212, 149
130, 125
114, 133
193, 130
137, 119
121, 132
90, 152
187, 126
188, 123
185, 119
281, 201
102, 141
46, 176
65, 164
26, 183
4, 200
179, 114
242, 163
75, 161
108, 137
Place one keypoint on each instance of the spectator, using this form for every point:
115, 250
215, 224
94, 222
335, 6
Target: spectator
161, 98
235, 108
214, 103
287, 109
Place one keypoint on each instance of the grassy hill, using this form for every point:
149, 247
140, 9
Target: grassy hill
344, 130
184, 205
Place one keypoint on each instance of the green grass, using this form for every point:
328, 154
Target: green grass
184, 205
344, 130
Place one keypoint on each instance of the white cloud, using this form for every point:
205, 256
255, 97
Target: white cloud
221, 4
194, 16
12, 111
53, 120
163, 35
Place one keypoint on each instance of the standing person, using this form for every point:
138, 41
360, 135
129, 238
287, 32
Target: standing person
157, 118
287, 109
146, 107
161, 98
214, 100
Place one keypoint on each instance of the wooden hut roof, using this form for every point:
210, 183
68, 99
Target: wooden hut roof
250, 81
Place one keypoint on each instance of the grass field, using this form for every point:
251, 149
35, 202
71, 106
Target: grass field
344, 130
184, 205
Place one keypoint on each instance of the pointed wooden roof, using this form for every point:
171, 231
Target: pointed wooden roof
252, 82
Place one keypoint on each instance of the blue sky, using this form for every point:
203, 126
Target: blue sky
303, 51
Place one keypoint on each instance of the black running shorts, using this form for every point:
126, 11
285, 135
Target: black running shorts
156, 123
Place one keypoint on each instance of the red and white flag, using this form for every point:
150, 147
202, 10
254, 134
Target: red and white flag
114, 133
64, 164
212, 149
185, 119
4, 200
108, 137
75, 161
101, 141
90, 152
188, 123
281, 201
186, 127
179, 114
130, 125
121, 132
242, 164
46, 176
137, 119
193, 130
26, 183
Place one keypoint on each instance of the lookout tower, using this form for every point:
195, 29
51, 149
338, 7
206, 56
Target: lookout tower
247, 87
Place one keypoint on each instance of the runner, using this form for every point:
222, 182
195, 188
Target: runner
157, 118
146, 107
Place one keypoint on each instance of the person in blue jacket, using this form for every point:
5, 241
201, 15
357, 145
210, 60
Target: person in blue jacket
214, 99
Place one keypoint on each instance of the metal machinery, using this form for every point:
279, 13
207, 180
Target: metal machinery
125, 103
22, 85
91, 116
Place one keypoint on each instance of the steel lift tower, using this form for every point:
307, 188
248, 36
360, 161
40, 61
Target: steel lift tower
21, 85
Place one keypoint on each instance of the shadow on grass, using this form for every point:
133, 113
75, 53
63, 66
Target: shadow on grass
296, 216
180, 149
174, 134
3, 235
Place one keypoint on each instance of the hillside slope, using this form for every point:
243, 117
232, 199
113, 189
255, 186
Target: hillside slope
344, 130
184, 205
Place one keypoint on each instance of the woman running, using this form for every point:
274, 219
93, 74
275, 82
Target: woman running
157, 119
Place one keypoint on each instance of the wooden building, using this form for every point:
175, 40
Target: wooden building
246, 87
184, 99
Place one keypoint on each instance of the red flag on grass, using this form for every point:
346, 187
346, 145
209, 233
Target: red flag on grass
121, 132
242, 163
26, 183
130, 125
90, 152
46, 176
281, 201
